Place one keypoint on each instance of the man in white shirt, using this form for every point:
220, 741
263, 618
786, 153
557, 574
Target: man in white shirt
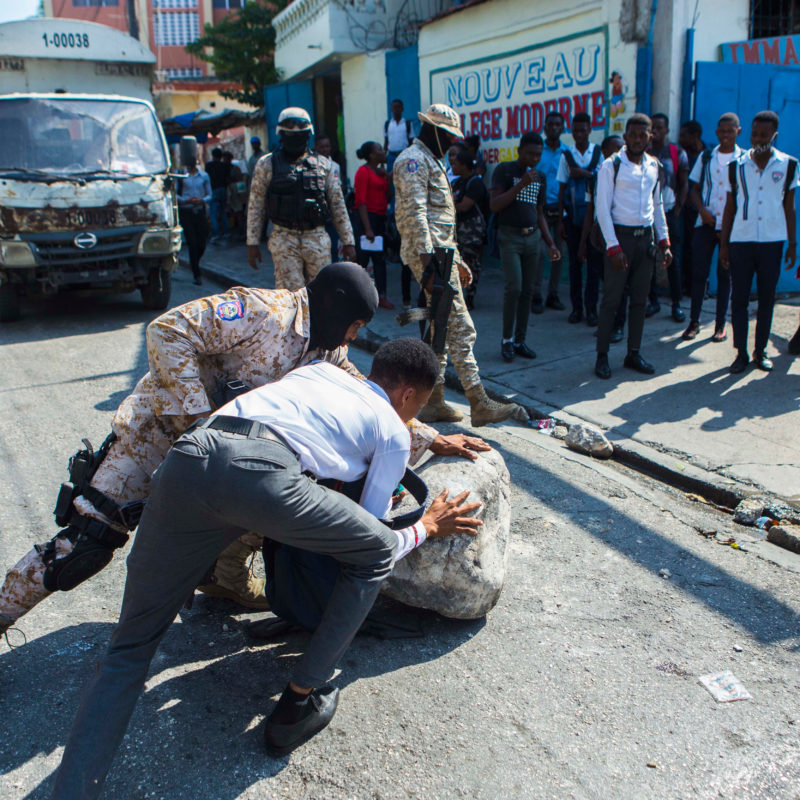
629, 208
246, 469
397, 134
709, 191
757, 221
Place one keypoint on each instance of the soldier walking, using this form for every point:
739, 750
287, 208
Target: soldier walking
426, 218
297, 189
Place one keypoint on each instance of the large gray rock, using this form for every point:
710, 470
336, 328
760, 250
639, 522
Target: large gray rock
589, 440
460, 576
786, 536
749, 510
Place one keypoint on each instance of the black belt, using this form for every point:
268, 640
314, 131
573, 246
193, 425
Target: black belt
515, 229
634, 230
250, 428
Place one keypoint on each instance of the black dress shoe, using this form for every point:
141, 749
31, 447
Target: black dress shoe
677, 313
591, 318
794, 343
521, 349
507, 351
537, 306
198, 281
280, 738
635, 362
601, 367
554, 303
691, 332
739, 364
575, 316
762, 362
617, 335
652, 308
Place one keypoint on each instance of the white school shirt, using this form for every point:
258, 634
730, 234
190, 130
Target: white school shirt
341, 428
634, 199
582, 160
397, 135
759, 198
715, 181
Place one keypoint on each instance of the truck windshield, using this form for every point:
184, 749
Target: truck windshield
72, 136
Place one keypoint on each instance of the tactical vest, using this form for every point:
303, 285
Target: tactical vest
296, 194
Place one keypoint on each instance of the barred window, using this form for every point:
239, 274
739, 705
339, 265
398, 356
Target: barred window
774, 18
174, 3
183, 72
95, 2
229, 3
176, 28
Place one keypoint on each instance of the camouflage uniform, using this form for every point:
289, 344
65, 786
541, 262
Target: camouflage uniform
297, 255
426, 218
256, 335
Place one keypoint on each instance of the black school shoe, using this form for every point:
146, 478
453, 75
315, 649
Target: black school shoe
554, 303
762, 362
281, 738
521, 349
591, 319
575, 316
652, 308
617, 335
635, 362
739, 365
537, 306
507, 351
678, 314
601, 366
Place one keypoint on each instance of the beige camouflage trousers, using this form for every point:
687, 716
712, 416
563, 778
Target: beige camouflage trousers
298, 255
461, 334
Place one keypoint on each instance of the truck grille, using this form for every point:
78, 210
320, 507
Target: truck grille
59, 249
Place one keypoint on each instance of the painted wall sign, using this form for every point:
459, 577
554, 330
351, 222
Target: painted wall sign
778, 50
501, 97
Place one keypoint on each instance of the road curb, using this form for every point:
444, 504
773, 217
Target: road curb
664, 467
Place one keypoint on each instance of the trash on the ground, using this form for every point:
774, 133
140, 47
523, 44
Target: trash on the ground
652, 764
765, 523
545, 426
665, 573
725, 687
737, 648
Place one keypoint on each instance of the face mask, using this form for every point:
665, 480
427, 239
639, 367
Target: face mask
760, 149
295, 143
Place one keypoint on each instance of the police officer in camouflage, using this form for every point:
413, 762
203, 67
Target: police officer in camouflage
426, 218
296, 189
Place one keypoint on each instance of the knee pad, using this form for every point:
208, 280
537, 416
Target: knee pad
94, 545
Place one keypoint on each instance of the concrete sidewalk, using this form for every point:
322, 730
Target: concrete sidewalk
691, 420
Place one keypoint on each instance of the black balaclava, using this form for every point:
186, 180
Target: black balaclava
294, 143
435, 140
340, 294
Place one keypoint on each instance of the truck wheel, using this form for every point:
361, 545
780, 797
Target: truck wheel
156, 292
9, 303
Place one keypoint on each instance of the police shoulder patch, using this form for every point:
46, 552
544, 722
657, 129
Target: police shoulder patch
230, 310
412, 165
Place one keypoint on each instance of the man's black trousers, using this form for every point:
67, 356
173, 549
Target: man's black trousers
638, 246
704, 240
195, 229
762, 259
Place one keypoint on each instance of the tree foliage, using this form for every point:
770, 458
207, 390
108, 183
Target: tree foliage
242, 49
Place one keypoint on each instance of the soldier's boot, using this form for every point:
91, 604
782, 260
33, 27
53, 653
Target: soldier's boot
233, 578
436, 410
484, 410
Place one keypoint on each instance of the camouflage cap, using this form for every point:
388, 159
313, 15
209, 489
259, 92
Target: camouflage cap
441, 116
300, 118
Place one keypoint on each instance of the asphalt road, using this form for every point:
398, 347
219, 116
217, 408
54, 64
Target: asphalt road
581, 683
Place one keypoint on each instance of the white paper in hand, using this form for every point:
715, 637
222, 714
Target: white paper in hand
375, 246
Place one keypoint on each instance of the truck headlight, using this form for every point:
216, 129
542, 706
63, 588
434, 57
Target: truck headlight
160, 242
17, 254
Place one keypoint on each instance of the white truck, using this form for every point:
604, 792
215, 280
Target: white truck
86, 197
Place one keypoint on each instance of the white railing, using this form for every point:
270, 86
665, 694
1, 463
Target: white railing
295, 17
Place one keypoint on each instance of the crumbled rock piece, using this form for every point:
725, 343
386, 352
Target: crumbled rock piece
786, 536
749, 510
560, 431
460, 576
589, 440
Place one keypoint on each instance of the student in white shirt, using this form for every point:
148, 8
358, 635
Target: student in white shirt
629, 208
709, 191
757, 221
398, 134
246, 469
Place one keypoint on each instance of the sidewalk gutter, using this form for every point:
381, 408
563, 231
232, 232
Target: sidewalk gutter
645, 459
